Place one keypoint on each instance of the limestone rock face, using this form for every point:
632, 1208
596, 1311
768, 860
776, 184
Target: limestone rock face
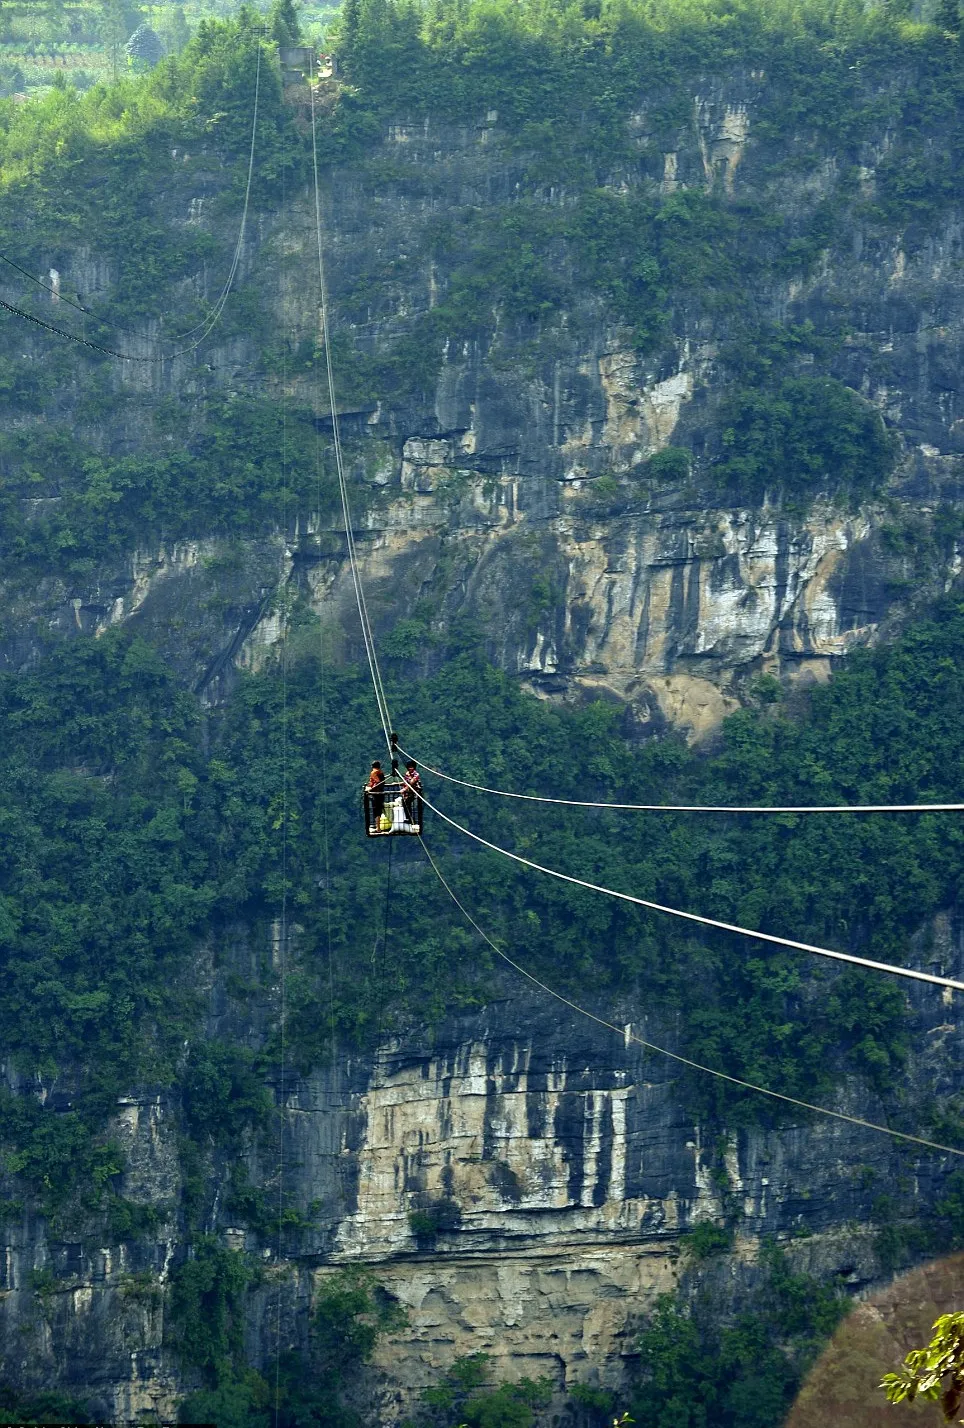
513, 484
573, 1174
519, 1178
91, 1319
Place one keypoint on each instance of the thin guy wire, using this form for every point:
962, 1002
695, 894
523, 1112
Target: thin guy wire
335, 426
698, 807
336, 430
323, 700
89, 312
46, 286
704, 921
284, 794
339, 462
675, 1056
209, 323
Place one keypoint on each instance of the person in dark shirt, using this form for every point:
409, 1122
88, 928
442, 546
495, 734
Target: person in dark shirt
411, 801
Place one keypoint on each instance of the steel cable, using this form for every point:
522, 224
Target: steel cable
360, 601
713, 922
674, 1055
695, 807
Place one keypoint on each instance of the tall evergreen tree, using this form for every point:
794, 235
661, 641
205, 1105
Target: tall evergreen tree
350, 22
284, 23
947, 16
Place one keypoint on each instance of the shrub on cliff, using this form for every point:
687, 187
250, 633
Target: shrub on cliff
695, 1371
670, 467
810, 435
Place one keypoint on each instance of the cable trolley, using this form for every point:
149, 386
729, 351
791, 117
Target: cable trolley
393, 804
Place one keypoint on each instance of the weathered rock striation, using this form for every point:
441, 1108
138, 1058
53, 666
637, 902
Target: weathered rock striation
483, 494
517, 491
570, 1173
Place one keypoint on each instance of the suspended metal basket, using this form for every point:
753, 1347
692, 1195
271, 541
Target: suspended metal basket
391, 810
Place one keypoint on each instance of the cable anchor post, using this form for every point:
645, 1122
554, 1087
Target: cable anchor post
393, 739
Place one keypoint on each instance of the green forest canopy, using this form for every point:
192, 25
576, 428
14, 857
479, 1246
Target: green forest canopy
110, 167
127, 836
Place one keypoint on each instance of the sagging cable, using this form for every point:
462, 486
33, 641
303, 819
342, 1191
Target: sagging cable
675, 1055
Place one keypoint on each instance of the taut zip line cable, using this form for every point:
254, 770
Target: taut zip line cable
698, 807
674, 1055
214, 317
339, 462
910, 972
625, 897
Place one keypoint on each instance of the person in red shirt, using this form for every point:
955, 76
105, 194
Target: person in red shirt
376, 788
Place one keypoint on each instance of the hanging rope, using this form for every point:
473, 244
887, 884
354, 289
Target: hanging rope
867, 962
675, 1056
61, 332
697, 807
207, 324
282, 578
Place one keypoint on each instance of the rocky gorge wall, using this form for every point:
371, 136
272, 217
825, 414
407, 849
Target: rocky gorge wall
515, 486
517, 491
574, 1175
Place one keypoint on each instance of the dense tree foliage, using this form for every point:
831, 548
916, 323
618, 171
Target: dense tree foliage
582, 66
49, 1406
696, 1372
227, 480
935, 1372
128, 836
809, 433
311, 1385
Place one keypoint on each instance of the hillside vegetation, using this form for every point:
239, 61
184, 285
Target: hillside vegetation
107, 167
137, 827
127, 839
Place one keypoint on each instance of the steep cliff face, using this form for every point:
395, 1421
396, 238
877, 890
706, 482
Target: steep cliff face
519, 1179
513, 480
530, 461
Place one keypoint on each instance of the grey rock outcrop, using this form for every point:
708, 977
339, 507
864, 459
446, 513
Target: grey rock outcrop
570, 1172
516, 489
